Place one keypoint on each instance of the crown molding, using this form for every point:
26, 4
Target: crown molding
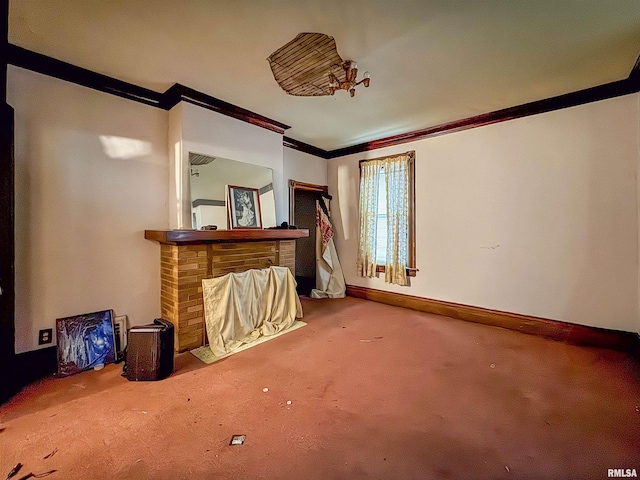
593, 94
634, 76
305, 147
180, 93
631, 84
37, 62
40, 63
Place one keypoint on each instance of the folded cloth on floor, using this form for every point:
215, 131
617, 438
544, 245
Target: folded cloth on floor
241, 307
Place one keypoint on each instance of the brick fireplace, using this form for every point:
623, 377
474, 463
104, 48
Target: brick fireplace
189, 256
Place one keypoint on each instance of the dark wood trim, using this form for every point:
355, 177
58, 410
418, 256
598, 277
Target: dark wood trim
37, 62
10, 380
634, 76
4, 47
304, 147
631, 84
37, 364
21, 57
554, 329
601, 92
40, 63
178, 93
171, 97
185, 237
309, 187
411, 272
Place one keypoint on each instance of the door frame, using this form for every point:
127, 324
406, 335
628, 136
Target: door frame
8, 376
309, 187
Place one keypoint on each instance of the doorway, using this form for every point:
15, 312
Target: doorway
302, 214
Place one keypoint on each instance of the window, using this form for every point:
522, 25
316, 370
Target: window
387, 230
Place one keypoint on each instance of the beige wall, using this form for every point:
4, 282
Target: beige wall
93, 171
303, 167
91, 175
209, 133
557, 192
537, 216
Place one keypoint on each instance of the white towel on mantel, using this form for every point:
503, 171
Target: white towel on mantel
241, 307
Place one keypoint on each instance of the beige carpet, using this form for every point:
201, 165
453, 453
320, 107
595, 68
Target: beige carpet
207, 356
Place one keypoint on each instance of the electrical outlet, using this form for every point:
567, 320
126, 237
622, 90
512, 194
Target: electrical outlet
45, 336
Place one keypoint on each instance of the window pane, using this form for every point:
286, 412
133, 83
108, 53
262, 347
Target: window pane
381, 246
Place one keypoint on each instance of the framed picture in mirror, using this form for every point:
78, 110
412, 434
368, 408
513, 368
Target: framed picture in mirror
243, 207
208, 184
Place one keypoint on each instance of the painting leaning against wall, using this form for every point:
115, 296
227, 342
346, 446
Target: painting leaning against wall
85, 341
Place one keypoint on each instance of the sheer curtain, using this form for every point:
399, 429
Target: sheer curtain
369, 178
396, 185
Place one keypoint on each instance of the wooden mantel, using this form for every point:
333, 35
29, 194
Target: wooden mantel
189, 256
191, 237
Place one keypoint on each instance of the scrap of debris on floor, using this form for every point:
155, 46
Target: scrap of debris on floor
238, 440
15, 470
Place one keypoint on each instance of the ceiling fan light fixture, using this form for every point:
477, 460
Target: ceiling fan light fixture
350, 79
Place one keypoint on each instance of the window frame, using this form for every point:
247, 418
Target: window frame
411, 266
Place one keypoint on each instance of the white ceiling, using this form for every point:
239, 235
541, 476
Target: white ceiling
431, 61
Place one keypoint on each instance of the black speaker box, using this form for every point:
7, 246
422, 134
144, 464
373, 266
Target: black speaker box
149, 351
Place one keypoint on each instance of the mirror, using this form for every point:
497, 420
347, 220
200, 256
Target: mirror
209, 177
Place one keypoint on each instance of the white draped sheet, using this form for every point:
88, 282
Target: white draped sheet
239, 308
329, 277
